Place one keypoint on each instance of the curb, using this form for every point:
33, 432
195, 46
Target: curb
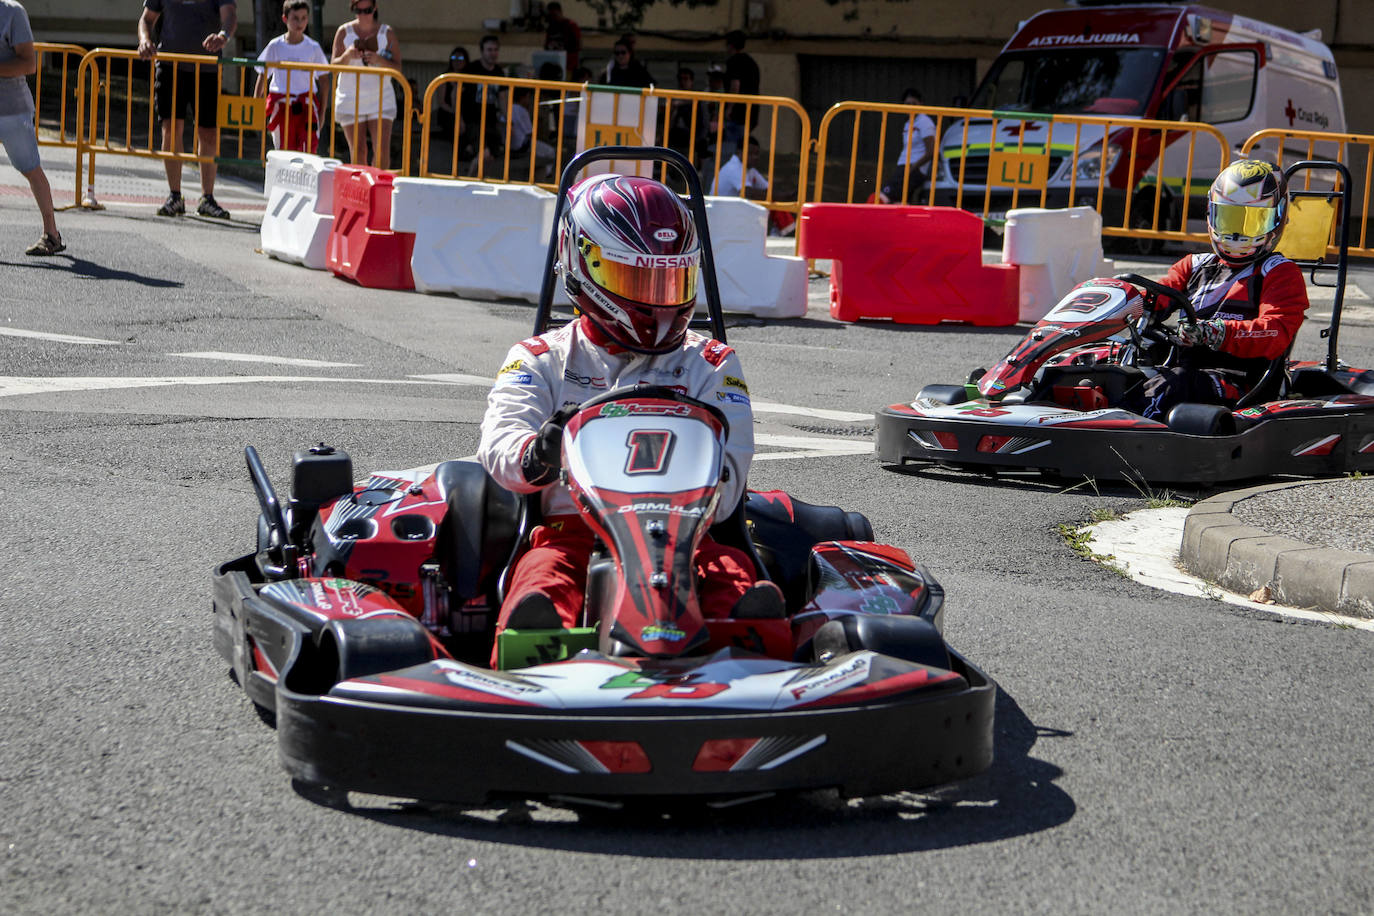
1220, 548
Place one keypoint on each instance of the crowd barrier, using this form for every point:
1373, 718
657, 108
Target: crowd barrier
1355, 151
1147, 179
1144, 177
300, 208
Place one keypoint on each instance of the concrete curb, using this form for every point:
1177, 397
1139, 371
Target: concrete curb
1220, 548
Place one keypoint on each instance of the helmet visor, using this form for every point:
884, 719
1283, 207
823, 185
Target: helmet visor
1248, 222
650, 279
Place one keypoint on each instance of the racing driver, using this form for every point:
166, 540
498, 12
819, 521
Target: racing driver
631, 329
1249, 299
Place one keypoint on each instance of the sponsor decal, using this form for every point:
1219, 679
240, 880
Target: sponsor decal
515, 378
625, 410
635, 259
584, 381
650, 450
715, 352
729, 397
669, 508
512, 366
1106, 38
732, 382
664, 630
665, 234
880, 604
535, 345
468, 677
855, 669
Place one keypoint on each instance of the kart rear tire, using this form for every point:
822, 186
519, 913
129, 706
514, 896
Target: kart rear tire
913, 639
944, 394
1202, 420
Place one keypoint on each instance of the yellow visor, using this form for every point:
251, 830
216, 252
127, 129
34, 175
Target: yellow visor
1250, 222
651, 279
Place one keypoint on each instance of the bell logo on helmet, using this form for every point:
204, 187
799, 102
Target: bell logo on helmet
666, 235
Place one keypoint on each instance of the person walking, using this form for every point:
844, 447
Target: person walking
365, 106
188, 27
17, 60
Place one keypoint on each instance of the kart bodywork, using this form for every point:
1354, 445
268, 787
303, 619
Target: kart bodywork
1061, 401
363, 620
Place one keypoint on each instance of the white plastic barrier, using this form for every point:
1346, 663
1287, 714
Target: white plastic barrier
473, 239
300, 207
1056, 250
751, 280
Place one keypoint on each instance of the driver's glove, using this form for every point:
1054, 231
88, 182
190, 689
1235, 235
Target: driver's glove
1209, 333
544, 455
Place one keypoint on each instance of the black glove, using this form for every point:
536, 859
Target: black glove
544, 455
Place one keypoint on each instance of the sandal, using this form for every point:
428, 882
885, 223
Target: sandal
49, 244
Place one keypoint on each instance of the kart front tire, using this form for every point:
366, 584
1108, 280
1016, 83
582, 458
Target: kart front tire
913, 639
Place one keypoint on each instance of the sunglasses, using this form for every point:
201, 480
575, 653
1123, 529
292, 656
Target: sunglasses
364, 12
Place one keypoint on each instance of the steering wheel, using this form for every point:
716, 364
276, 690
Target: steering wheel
1153, 291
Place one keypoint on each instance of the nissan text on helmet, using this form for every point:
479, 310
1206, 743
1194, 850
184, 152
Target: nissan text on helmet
628, 252
1127, 62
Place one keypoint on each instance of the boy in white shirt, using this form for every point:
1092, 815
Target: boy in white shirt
294, 106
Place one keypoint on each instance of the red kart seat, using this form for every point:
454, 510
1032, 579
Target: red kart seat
912, 265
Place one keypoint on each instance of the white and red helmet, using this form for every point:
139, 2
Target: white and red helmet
629, 254
1247, 207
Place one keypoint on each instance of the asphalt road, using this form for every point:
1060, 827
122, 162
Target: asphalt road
1153, 752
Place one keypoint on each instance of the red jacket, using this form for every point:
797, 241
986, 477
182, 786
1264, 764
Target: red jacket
1262, 304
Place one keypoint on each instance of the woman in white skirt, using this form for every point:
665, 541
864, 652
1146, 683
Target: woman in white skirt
365, 106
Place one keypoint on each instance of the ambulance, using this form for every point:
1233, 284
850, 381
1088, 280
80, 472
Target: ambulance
1169, 62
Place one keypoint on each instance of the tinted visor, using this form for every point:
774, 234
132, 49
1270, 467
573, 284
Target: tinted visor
651, 279
1248, 222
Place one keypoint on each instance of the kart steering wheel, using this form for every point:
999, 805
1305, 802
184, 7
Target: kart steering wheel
1153, 291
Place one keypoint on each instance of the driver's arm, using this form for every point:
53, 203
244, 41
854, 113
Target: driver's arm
520, 400
725, 388
1283, 300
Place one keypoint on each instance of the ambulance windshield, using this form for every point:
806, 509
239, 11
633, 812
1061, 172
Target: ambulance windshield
1096, 81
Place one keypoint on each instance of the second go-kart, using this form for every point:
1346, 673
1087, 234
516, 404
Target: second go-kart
1064, 400
364, 619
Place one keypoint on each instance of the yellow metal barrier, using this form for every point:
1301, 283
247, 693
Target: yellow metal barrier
55, 92
563, 118
994, 161
116, 111
1355, 151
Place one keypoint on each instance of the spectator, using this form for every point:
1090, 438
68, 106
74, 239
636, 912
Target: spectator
628, 39
188, 27
522, 139
446, 106
17, 60
365, 106
295, 101
684, 135
918, 151
563, 33
626, 70
741, 78
483, 107
734, 181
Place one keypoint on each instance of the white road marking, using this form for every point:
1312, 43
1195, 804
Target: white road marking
455, 378
809, 447
274, 360
11, 386
58, 338
1145, 545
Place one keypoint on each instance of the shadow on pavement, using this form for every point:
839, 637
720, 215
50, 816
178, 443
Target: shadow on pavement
1016, 796
93, 271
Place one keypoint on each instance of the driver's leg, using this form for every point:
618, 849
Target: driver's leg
549, 580
729, 587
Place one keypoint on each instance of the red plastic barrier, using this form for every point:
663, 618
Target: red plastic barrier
362, 246
913, 265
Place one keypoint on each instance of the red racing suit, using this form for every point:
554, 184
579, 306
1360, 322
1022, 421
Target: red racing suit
566, 367
1262, 304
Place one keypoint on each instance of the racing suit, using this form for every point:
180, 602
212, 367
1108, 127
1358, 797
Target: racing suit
1261, 306
566, 367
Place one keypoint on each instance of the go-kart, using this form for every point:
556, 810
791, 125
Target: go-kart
364, 619
1064, 400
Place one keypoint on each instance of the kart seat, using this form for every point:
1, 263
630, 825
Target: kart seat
479, 531
1274, 383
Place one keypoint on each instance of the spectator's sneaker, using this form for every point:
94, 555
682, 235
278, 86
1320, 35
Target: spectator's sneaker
209, 208
175, 205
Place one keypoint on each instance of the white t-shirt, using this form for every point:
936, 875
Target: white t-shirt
918, 130
306, 51
732, 179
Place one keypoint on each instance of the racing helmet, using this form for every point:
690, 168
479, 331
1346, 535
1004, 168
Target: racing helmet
629, 253
1247, 207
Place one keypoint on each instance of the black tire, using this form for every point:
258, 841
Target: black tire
944, 394
1202, 420
914, 639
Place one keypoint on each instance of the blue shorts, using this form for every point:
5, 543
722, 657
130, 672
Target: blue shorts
16, 133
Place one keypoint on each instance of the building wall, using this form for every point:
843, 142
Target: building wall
786, 32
